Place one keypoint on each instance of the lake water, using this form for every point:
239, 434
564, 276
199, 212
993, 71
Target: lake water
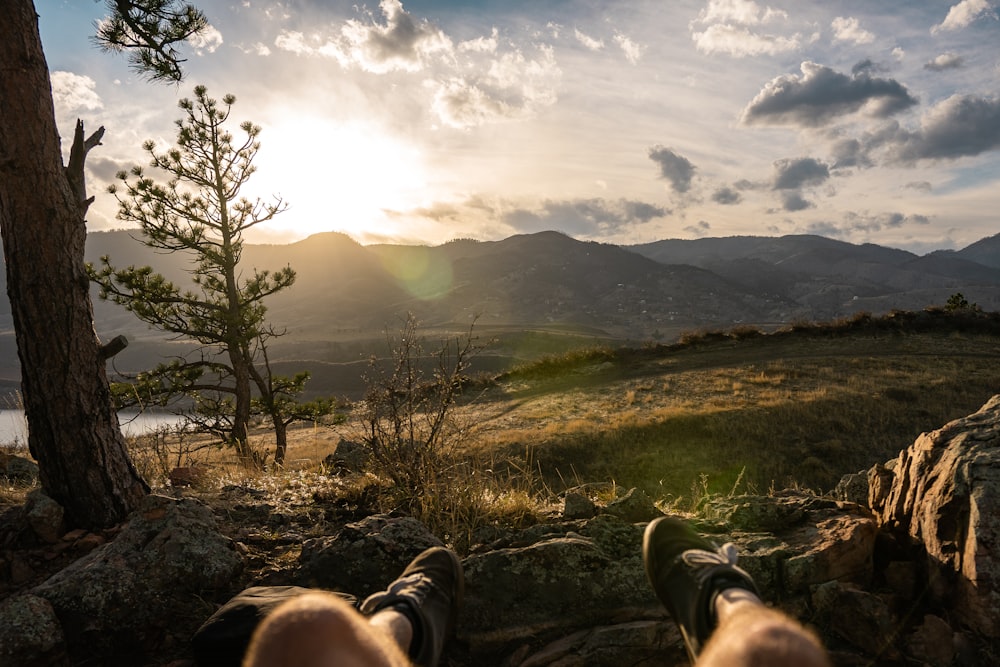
14, 427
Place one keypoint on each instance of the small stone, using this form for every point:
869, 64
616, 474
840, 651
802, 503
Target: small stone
578, 506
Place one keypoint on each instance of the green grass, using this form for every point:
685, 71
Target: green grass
795, 408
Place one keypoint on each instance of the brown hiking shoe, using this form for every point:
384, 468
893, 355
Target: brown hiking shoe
429, 593
687, 572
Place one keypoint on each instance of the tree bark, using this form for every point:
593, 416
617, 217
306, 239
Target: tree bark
73, 429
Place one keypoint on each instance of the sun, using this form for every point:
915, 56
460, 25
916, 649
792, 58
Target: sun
337, 177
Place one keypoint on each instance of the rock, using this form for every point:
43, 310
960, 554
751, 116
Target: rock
636, 643
761, 513
578, 506
30, 634
880, 479
932, 643
860, 618
555, 587
634, 506
124, 597
364, 557
839, 547
945, 495
187, 476
853, 488
45, 516
349, 456
17, 468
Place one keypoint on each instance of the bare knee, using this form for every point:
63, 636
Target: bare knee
318, 629
762, 637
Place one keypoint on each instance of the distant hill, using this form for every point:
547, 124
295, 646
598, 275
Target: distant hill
547, 291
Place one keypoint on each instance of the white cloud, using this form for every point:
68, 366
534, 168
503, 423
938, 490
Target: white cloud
588, 41
258, 49
399, 44
743, 12
73, 92
632, 50
481, 44
206, 41
850, 30
964, 13
739, 42
511, 86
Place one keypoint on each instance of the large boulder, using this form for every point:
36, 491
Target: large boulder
584, 575
30, 634
143, 588
365, 556
945, 495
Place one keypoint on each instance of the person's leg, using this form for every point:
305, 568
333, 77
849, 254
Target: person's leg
749, 634
709, 596
319, 629
406, 624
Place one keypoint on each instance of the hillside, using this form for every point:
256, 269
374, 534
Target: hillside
546, 292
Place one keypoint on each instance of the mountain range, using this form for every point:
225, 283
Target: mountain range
346, 295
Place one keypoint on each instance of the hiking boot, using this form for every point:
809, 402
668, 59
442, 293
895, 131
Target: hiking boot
687, 573
429, 593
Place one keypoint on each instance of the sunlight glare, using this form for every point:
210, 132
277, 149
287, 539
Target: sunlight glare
337, 177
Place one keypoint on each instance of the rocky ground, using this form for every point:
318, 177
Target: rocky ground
895, 569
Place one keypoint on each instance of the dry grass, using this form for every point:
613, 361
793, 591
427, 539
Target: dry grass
802, 413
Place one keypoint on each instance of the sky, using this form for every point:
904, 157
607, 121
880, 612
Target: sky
619, 121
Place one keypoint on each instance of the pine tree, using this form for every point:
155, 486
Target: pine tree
199, 211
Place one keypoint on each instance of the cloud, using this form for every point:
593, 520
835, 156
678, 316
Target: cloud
821, 95
510, 86
481, 44
744, 12
960, 126
919, 186
206, 41
632, 50
794, 201
399, 44
73, 93
673, 167
963, 14
945, 61
699, 229
726, 196
850, 153
730, 28
795, 173
739, 41
850, 30
583, 216
865, 222
588, 41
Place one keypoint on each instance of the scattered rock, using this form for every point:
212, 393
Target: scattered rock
634, 506
578, 506
349, 456
187, 476
17, 468
853, 488
45, 516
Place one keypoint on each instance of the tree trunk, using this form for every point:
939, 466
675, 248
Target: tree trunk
280, 439
73, 429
